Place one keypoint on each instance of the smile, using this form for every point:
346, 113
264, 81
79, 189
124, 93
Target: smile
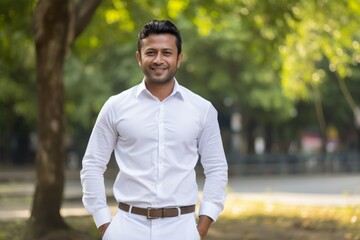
158, 69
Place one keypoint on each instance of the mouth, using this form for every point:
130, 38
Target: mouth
158, 69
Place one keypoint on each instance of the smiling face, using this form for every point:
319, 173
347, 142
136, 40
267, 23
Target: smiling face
159, 58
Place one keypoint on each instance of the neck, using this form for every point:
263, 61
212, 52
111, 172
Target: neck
160, 90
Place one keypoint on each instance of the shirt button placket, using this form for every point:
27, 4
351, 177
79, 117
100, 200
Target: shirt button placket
161, 139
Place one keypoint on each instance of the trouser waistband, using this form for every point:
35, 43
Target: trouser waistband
154, 213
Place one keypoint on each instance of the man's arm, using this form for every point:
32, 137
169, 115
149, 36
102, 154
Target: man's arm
215, 169
101, 144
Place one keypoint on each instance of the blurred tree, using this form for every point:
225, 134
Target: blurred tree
17, 83
319, 36
235, 52
56, 25
242, 64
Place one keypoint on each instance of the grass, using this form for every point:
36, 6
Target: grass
252, 220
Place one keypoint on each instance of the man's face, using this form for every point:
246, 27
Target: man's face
159, 58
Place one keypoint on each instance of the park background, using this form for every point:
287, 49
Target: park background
284, 76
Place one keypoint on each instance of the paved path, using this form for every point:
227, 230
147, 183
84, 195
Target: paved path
17, 187
314, 184
331, 190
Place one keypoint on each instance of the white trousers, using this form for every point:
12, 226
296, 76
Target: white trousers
129, 226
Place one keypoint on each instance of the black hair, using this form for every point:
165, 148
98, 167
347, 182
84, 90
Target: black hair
158, 27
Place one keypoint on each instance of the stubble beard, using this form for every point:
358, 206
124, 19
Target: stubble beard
160, 80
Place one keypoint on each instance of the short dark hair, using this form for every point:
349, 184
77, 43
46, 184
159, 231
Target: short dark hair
158, 27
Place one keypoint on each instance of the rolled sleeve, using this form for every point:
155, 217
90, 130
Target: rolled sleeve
102, 216
210, 209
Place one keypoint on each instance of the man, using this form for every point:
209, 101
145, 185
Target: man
157, 131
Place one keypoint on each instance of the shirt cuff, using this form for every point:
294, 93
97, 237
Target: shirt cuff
102, 216
210, 209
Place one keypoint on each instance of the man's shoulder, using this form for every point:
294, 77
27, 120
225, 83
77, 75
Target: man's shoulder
122, 96
192, 96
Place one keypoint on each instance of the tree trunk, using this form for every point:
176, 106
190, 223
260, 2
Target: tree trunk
268, 137
321, 117
51, 38
358, 140
250, 136
56, 24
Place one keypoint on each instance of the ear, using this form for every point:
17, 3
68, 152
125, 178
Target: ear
138, 58
179, 60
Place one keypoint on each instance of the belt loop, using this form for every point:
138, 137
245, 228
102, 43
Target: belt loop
179, 211
130, 208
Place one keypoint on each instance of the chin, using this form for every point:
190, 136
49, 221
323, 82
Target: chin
155, 80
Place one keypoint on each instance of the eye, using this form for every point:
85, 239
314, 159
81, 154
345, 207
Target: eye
167, 53
150, 53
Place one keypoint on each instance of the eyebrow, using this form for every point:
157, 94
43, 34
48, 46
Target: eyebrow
163, 49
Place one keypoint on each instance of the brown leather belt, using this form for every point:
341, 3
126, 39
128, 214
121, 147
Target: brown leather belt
153, 213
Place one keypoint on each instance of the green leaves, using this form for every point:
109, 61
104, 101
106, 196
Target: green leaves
17, 84
316, 35
266, 56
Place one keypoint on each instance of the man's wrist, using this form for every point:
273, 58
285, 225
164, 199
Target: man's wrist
204, 225
103, 228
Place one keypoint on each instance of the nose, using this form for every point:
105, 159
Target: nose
158, 58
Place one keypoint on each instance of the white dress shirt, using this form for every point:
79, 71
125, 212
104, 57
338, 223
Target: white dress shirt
157, 146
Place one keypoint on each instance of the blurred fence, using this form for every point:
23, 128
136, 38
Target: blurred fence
341, 162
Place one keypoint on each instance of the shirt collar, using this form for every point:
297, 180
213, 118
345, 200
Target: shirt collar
177, 91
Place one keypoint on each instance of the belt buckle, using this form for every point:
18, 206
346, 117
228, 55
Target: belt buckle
149, 215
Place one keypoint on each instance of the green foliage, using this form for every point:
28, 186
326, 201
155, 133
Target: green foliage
263, 56
317, 34
17, 81
17, 84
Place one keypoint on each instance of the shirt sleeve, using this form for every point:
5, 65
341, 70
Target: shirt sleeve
97, 155
215, 167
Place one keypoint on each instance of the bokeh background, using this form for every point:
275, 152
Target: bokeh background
284, 76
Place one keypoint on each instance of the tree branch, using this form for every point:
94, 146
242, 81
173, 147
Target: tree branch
83, 14
345, 91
